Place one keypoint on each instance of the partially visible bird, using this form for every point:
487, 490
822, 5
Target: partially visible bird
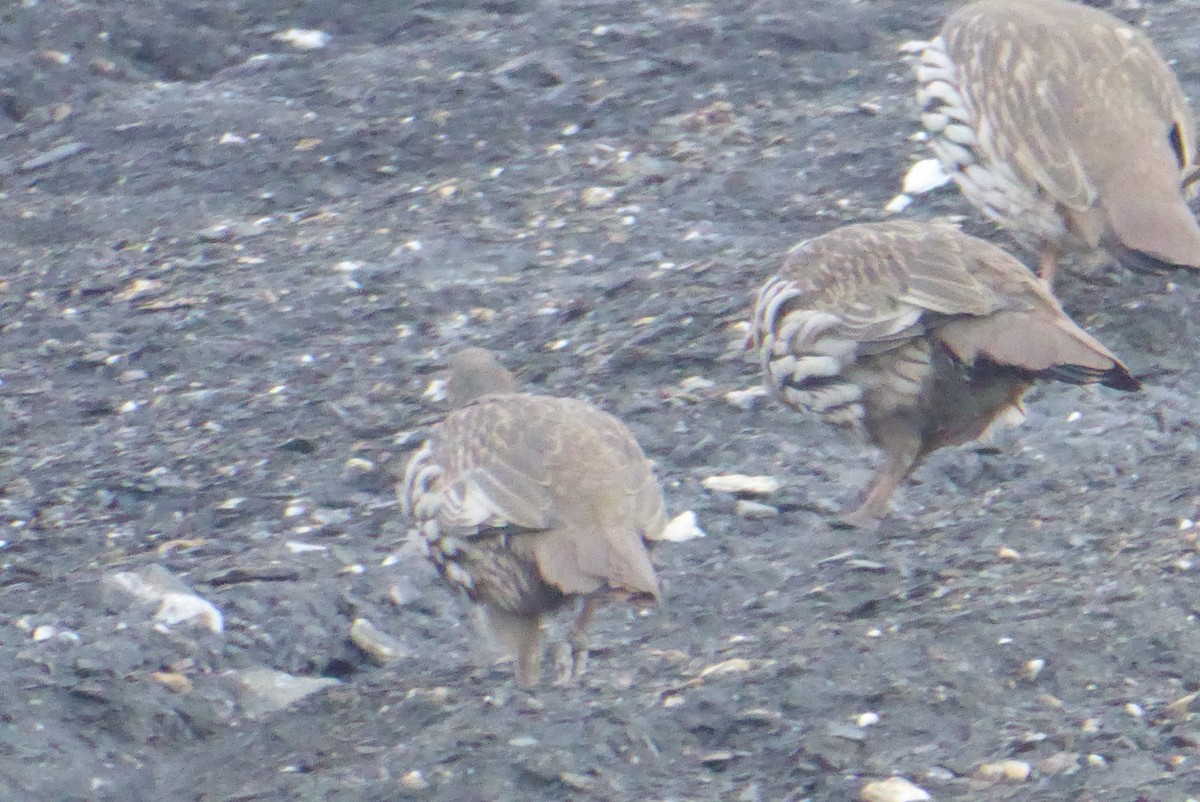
527, 502
1064, 125
918, 334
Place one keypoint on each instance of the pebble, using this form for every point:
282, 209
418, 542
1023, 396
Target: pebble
1060, 763
177, 603
53, 155
693, 383
741, 483
681, 528
265, 690
894, 789
173, 680
746, 399
1033, 668
755, 509
414, 781
596, 196
924, 176
1004, 771
1181, 707
732, 666
381, 648
303, 38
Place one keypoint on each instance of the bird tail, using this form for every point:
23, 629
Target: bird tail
1043, 346
1152, 228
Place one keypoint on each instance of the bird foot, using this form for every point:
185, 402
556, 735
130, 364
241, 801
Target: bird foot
570, 659
861, 519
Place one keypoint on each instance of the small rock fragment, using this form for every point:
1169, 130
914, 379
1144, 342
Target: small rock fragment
53, 155
358, 465
681, 528
1004, 771
414, 781
44, 632
178, 604
1060, 763
740, 483
867, 719
379, 647
898, 204
755, 509
732, 666
894, 789
264, 690
303, 38
1033, 668
596, 196
848, 732
924, 176
1181, 707
297, 547
745, 399
436, 391
694, 383
173, 680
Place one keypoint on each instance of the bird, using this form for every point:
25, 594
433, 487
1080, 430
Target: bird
918, 335
1065, 126
526, 503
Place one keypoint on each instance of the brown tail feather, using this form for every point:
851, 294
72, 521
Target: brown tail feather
582, 561
1153, 228
1044, 345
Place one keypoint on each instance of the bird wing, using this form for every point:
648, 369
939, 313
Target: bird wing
887, 283
1022, 79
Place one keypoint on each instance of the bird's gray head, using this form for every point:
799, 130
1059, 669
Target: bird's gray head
475, 372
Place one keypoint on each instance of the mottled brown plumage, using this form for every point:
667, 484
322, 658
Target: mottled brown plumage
526, 502
920, 335
1063, 124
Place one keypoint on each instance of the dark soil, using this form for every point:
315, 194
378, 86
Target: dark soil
233, 266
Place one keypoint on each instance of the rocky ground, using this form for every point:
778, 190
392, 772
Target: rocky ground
234, 264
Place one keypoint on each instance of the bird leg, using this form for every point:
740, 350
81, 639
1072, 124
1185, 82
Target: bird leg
887, 479
573, 656
1047, 264
521, 636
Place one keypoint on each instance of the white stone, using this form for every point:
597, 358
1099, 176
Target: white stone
754, 509
894, 789
681, 528
177, 603
1005, 771
264, 690
303, 38
924, 176
741, 483
745, 399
